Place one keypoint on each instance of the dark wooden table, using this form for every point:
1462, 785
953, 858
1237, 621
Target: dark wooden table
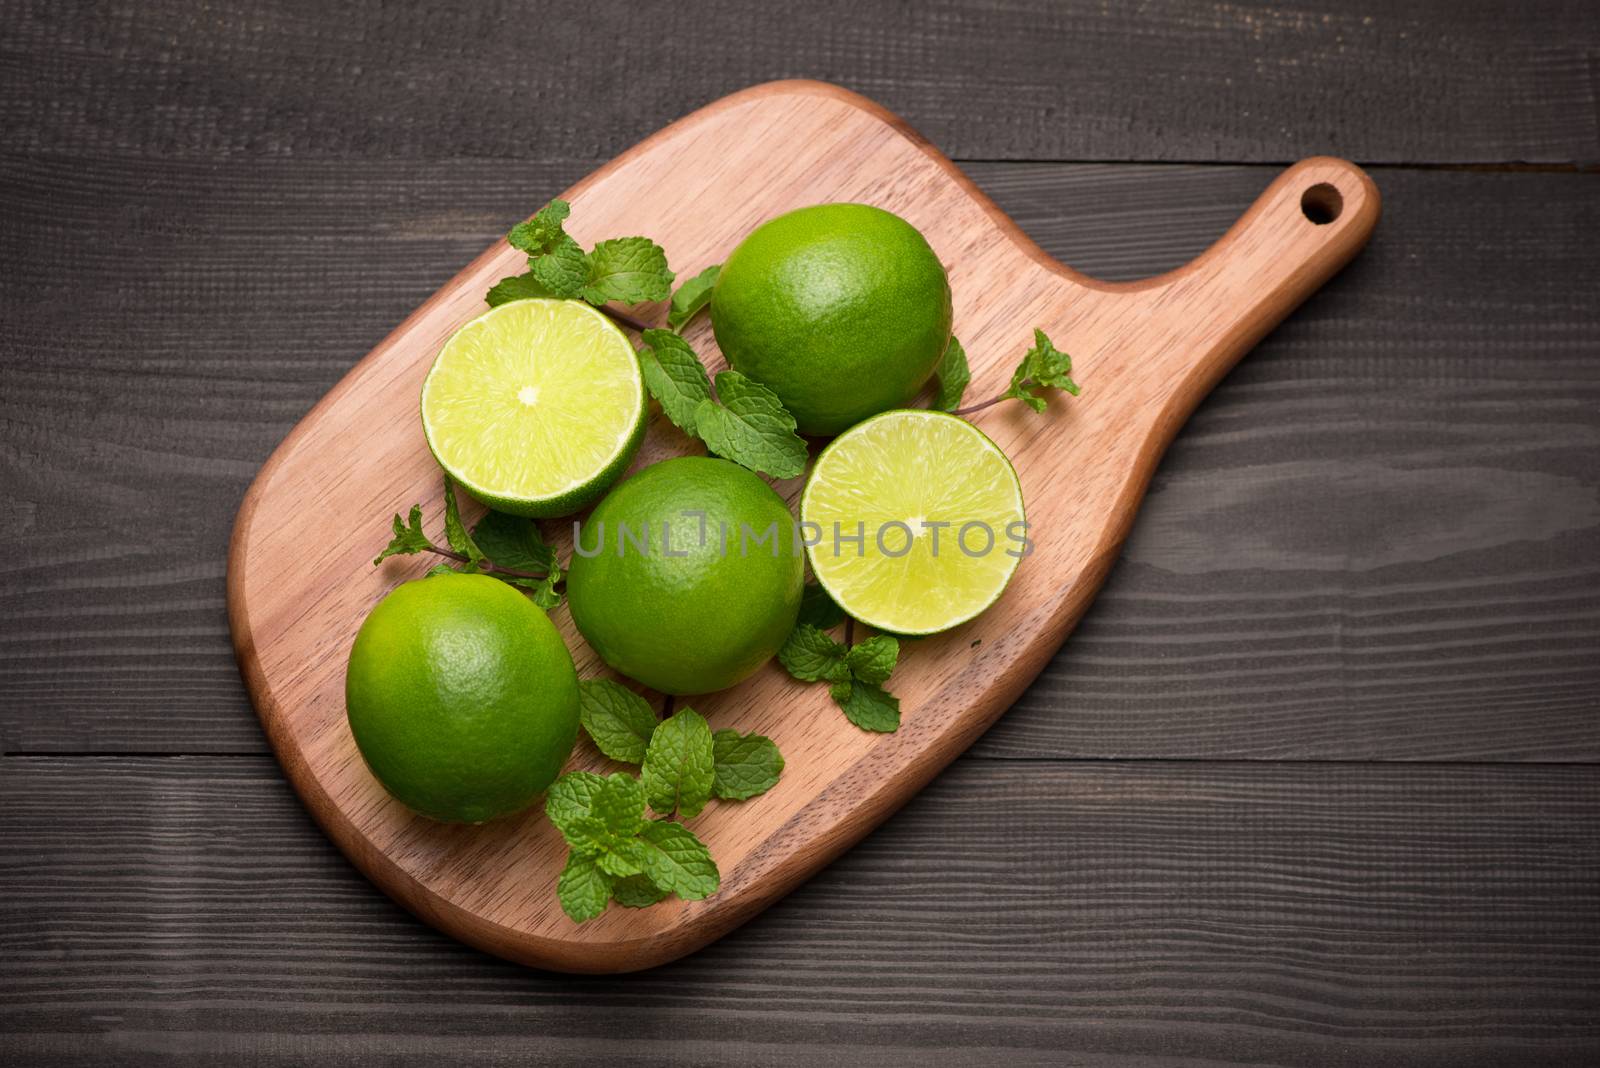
1315, 782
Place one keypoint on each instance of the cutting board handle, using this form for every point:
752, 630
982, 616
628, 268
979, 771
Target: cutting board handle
1201, 318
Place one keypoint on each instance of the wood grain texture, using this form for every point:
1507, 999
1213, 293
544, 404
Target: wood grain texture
1458, 399
297, 589
1404, 81
184, 910
208, 212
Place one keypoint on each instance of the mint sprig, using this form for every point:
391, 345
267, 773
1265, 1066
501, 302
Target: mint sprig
855, 673
408, 537
628, 270
738, 418
542, 232
612, 845
624, 727
1043, 368
614, 850
516, 553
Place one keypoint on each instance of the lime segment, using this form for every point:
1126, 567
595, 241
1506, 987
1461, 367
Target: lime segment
918, 521
536, 406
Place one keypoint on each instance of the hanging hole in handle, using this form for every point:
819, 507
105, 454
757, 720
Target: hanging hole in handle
1321, 204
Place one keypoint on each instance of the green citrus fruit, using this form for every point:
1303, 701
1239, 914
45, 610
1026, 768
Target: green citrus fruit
680, 603
842, 310
462, 697
938, 510
535, 407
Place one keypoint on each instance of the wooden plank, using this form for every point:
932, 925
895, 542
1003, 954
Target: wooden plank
1408, 81
1042, 913
1432, 594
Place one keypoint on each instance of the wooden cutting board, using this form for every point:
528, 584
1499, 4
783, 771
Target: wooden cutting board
300, 574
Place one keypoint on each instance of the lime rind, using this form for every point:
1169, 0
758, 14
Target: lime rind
536, 406
915, 467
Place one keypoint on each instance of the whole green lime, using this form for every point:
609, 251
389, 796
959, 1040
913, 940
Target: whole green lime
462, 697
842, 310
687, 577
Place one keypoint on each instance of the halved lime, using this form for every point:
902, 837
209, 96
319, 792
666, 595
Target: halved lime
536, 406
918, 521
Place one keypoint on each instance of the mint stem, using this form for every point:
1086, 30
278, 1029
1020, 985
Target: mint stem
981, 405
487, 564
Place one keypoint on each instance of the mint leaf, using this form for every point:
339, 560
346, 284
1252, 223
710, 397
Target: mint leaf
571, 798
953, 375
408, 537
746, 764
608, 831
542, 232
619, 805
619, 720
750, 427
510, 541
1044, 367
455, 533
872, 661
563, 270
675, 376
867, 706
677, 861
516, 287
636, 892
440, 569
584, 889
818, 609
557, 266
628, 270
811, 656
1019, 389
678, 769
692, 296
514, 542
1052, 368
621, 858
